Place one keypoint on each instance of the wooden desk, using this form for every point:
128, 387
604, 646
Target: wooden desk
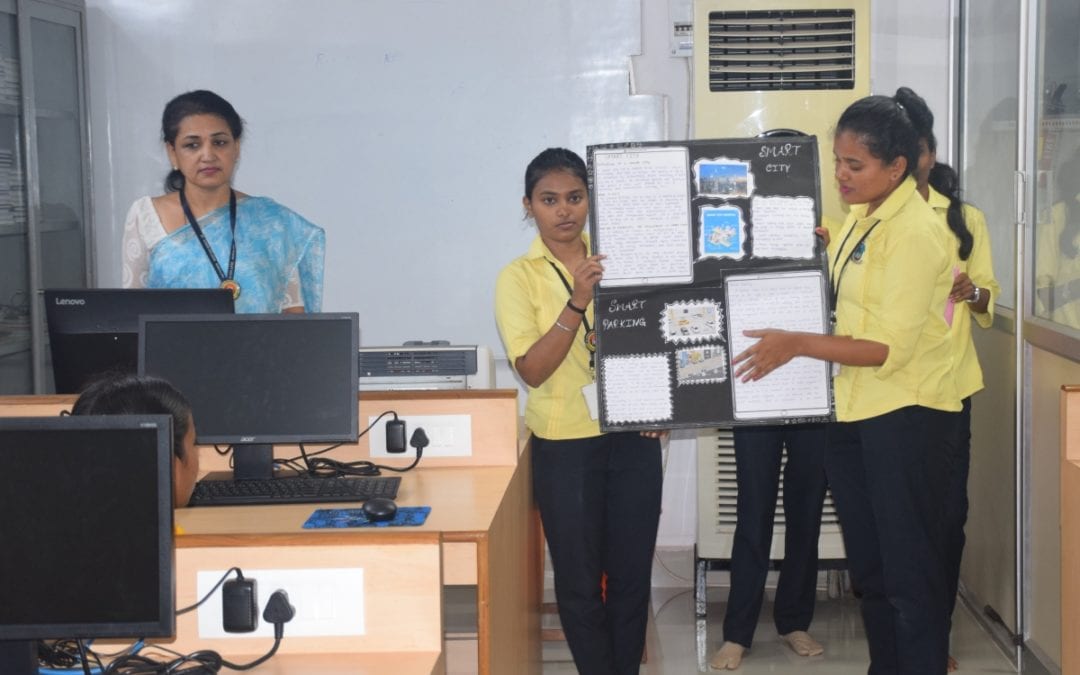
1070, 529
483, 517
481, 508
399, 620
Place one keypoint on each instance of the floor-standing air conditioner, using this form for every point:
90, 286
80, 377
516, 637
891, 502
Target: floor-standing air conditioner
760, 67
780, 64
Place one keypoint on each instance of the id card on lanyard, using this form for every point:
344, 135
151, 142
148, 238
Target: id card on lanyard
590, 334
837, 275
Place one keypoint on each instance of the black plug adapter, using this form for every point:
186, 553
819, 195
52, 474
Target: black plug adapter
239, 606
278, 611
395, 436
419, 440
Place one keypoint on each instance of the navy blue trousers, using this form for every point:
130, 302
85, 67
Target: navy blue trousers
888, 478
958, 465
758, 454
599, 501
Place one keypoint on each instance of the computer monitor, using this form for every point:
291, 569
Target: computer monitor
86, 525
96, 330
254, 380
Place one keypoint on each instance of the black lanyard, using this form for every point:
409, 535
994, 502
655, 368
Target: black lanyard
834, 277
590, 336
227, 280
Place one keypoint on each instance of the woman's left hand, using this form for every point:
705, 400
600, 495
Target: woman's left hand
656, 433
962, 288
774, 349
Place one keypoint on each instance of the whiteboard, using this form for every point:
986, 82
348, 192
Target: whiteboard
402, 127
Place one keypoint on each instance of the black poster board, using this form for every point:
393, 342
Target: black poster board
703, 239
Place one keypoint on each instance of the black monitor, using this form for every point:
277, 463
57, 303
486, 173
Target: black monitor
86, 525
254, 380
96, 330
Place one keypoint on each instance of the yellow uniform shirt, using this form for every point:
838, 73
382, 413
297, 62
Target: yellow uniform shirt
979, 267
892, 290
529, 296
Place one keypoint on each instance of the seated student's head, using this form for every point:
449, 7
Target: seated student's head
145, 395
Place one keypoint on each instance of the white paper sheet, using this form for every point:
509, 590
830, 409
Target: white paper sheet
642, 198
637, 388
783, 227
791, 301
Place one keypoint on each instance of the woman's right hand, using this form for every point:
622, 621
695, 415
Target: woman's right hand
587, 274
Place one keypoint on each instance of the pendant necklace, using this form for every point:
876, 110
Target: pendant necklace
227, 280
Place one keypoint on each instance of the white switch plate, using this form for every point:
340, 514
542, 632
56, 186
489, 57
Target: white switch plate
450, 436
681, 18
328, 601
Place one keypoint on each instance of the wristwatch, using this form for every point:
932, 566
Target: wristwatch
975, 296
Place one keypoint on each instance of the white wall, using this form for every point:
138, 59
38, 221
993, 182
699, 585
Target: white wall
404, 126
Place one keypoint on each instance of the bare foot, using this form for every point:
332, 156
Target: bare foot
802, 644
954, 665
728, 657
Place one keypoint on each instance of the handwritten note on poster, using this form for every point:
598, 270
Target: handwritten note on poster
790, 301
637, 388
642, 198
783, 227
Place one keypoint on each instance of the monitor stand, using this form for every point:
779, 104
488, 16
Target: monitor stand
253, 461
18, 657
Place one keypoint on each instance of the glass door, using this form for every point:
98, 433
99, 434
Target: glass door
1020, 163
988, 105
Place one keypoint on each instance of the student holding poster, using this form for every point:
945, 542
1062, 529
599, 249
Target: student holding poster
598, 494
895, 390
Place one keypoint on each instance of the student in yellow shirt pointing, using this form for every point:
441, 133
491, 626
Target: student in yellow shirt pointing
895, 391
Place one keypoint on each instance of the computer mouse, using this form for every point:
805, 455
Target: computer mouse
378, 509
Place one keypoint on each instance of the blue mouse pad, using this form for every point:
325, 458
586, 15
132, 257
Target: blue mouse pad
406, 515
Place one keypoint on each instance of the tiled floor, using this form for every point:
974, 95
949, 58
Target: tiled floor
679, 644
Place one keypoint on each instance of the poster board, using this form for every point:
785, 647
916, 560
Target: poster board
704, 239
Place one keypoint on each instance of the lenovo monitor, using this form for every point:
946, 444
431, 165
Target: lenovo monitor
96, 330
86, 521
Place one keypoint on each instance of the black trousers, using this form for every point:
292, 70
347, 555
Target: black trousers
758, 454
888, 477
599, 501
958, 465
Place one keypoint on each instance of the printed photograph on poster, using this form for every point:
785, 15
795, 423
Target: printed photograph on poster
783, 227
723, 177
637, 388
693, 321
723, 231
701, 365
792, 301
641, 215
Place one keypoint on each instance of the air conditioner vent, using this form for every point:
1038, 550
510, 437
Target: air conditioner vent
781, 50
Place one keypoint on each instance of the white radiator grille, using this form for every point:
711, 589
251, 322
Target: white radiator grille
717, 495
776, 50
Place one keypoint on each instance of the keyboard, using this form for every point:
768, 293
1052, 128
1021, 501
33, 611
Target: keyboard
293, 490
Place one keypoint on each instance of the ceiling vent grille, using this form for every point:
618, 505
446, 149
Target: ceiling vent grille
781, 50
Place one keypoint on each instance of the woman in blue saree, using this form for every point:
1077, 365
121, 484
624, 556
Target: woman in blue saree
203, 234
